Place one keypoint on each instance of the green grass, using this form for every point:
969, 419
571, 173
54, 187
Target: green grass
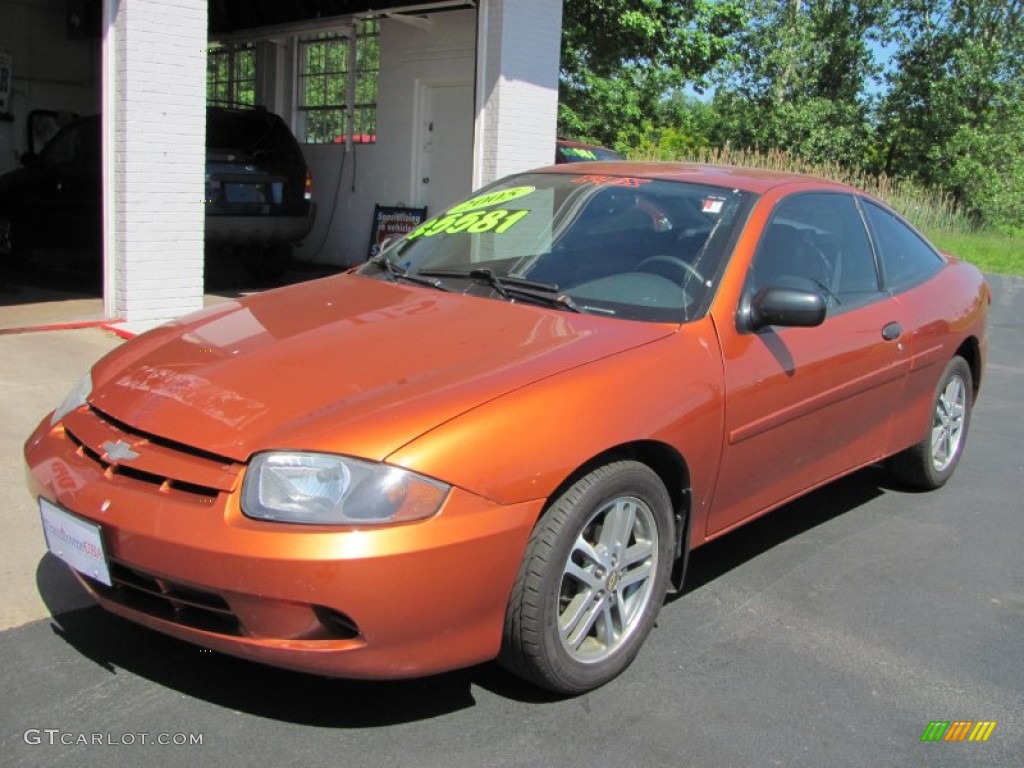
989, 251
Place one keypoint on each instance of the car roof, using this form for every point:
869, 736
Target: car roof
748, 179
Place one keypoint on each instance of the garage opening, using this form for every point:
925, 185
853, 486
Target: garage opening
317, 116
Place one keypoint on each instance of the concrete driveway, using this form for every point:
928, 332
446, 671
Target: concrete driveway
831, 632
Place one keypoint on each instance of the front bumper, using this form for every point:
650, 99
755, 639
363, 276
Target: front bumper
377, 602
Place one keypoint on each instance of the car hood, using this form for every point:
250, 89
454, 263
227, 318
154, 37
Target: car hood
345, 364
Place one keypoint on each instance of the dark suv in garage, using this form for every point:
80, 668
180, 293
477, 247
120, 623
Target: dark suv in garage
258, 191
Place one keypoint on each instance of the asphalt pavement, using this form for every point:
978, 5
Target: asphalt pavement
831, 632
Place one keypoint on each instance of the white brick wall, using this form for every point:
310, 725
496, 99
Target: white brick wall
157, 113
518, 62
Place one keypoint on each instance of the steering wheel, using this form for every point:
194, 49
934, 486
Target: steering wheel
671, 267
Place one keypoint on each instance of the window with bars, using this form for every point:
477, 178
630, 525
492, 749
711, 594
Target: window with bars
231, 75
338, 86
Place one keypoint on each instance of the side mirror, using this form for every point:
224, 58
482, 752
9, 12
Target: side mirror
786, 307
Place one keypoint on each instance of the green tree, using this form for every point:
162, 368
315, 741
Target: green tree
800, 81
620, 58
954, 116
681, 126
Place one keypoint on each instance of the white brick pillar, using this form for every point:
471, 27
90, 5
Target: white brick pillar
154, 123
517, 86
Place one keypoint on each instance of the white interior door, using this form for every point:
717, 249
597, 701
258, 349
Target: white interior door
444, 145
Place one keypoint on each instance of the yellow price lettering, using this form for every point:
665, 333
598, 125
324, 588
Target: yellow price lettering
475, 223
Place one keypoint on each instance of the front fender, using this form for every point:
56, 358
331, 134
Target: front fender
523, 445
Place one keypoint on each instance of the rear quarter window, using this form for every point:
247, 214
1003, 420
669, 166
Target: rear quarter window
906, 258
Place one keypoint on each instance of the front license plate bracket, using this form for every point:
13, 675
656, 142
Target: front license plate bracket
77, 542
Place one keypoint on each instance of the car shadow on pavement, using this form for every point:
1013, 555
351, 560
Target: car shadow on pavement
116, 644
717, 558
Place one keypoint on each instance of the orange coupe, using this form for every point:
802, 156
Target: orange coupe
501, 437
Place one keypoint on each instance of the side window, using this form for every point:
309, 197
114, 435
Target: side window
818, 237
337, 86
906, 258
231, 75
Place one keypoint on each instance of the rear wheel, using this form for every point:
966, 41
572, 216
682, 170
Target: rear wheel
592, 581
930, 463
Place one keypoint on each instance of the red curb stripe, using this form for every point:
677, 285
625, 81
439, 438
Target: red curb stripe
55, 327
115, 329
107, 325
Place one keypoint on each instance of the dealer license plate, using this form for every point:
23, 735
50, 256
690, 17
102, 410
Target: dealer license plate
75, 541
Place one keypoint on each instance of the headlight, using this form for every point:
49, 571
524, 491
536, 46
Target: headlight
76, 397
324, 489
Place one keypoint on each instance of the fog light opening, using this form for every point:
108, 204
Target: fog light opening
336, 622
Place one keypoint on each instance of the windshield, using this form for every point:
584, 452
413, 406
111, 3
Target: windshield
619, 246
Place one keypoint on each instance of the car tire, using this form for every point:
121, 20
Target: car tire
265, 265
931, 462
592, 580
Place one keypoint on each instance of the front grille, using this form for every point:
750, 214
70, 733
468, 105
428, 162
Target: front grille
162, 465
168, 600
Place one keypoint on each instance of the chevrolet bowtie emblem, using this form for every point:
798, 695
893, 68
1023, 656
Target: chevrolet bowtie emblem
119, 451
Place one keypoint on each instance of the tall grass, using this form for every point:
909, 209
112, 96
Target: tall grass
927, 209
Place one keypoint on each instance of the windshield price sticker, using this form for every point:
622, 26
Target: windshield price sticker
497, 222
712, 205
491, 198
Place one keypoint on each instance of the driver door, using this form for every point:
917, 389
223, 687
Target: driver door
804, 405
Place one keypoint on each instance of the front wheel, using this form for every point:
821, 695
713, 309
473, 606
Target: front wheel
930, 463
592, 581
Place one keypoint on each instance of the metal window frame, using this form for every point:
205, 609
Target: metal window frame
232, 52
349, 36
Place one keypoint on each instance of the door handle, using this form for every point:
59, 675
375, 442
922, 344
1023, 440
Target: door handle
892, 331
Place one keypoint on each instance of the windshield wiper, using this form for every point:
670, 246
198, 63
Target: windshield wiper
512, 288
396, 273
487, 275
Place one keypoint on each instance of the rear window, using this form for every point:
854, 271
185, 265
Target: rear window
251, 132
569, 154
